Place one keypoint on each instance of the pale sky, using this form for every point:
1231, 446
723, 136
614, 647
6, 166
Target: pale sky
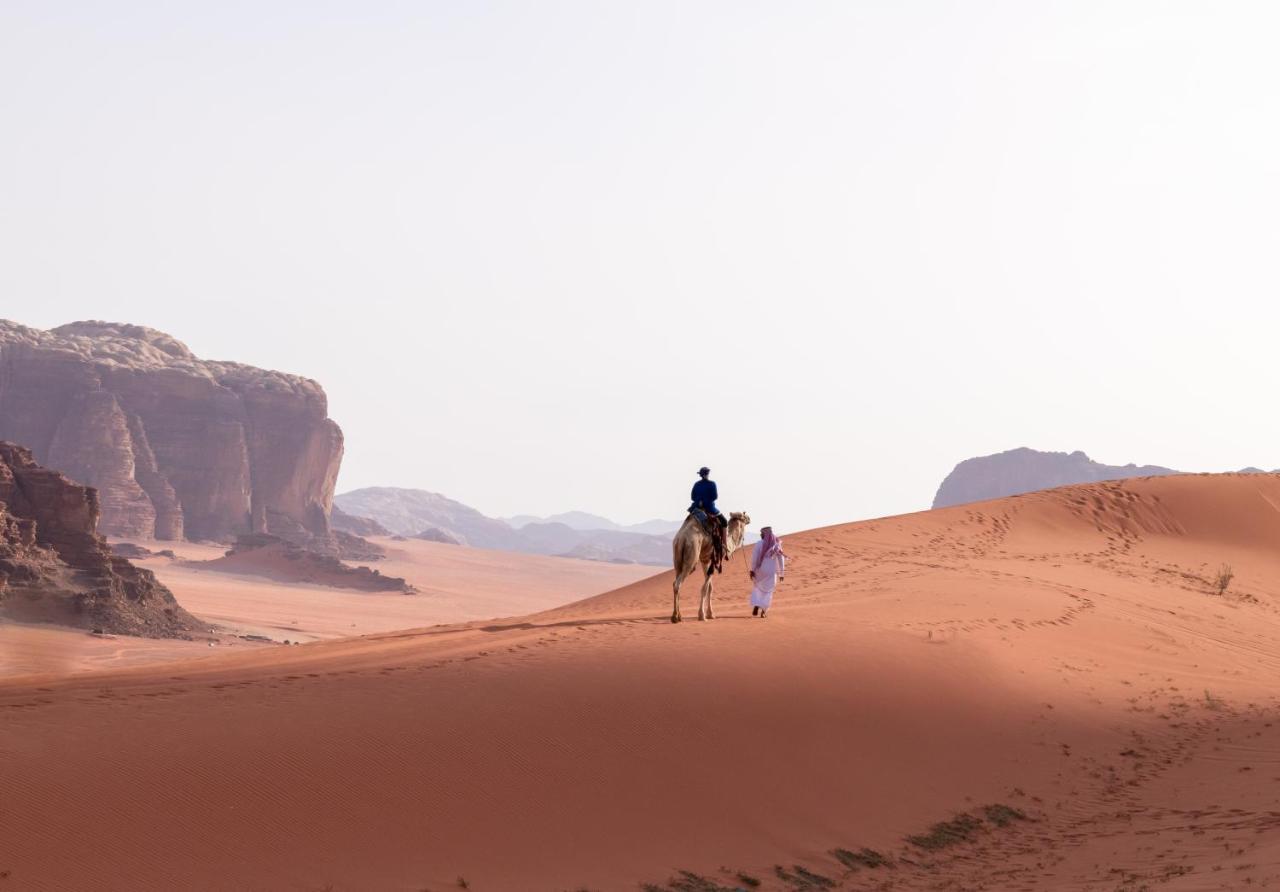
549, 256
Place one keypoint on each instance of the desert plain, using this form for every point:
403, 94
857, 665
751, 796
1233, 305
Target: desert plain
1049, 691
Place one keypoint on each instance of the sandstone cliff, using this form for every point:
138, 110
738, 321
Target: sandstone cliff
1026, 470
55, 568
176, 446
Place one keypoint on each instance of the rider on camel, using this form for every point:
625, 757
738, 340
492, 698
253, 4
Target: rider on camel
704, 497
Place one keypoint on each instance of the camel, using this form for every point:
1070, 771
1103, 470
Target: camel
692, 546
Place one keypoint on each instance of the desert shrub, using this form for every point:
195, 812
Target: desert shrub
1223, 579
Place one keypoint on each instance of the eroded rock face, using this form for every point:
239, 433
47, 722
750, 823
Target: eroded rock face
176, 446
1027, 470
54, 567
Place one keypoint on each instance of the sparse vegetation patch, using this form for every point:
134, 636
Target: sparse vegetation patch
1002, 815
802, 880
861, 858
1223, 579
962, 828
688, 881
965, 827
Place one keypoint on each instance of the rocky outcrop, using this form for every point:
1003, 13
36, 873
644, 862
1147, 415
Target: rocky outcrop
1026, 470
349, 547
260, 554
434, 534
343, 522
54, 567
176, 446
135, 552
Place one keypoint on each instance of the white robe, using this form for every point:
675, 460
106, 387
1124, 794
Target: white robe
766, 577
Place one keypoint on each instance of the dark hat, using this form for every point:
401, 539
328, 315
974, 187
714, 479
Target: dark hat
703, 471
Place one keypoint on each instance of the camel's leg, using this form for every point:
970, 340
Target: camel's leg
711, 586
679, 562
704, 598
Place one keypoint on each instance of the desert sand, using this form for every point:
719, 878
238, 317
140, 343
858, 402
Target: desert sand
454, 584
1052, 673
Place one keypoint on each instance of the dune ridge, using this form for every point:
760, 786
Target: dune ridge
1052, 674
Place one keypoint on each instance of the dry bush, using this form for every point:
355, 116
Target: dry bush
1223, 579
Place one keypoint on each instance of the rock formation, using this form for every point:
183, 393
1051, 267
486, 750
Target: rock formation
176, 446
135, 552
54, 567
347, 546
341, 521
435, 534
1026, 470
260, 554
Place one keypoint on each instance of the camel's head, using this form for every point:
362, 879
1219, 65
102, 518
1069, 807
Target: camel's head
738, 523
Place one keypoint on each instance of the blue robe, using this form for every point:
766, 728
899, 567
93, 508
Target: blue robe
704, 496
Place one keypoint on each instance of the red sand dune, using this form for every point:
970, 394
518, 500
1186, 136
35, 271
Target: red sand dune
1058, 653
454, 584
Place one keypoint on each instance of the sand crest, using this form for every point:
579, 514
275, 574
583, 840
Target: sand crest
1054, 669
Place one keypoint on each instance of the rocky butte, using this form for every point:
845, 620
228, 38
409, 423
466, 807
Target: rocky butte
1026, 470
177, 447
55, 568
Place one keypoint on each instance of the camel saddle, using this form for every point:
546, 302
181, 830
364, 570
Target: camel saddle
712, 527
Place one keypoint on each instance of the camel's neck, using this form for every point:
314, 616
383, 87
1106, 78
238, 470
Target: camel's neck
735, 537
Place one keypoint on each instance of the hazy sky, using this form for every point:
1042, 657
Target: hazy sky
557, 255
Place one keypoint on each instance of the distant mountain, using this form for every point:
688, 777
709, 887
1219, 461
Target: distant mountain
1027, 470
621, 547
581, 520
586, 522
600, 545
520, 520
414, 512
655, 527
411, 511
